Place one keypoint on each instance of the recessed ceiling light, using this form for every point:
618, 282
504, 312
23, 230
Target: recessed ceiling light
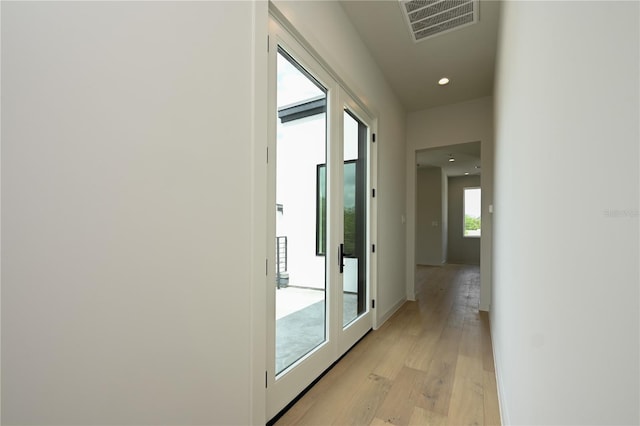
443, 81
466, 173
452, 159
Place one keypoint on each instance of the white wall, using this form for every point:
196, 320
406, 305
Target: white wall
301, 147
429, 237
127, 173
450, 125
326, 27
565, 306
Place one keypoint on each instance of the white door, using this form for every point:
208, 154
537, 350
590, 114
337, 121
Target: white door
355, 190
319, 220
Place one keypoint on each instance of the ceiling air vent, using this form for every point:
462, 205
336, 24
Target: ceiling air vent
428, 18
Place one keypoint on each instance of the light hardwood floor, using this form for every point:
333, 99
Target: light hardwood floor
430, 364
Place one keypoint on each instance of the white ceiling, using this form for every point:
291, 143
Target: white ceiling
466, 155
466, 55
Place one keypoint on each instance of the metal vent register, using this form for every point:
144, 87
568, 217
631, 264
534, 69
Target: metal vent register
428, 18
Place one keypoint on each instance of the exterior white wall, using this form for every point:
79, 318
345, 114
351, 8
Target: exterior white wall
127, 203
301, 148
565, 309
450, 125
326, 27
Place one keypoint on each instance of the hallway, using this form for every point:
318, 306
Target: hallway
431, 363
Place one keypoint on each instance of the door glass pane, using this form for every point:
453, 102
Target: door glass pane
300, 267
355, 218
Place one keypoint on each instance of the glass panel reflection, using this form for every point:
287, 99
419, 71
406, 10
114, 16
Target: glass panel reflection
355, 218
300, 270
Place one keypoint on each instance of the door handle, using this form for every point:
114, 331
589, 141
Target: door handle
341, 257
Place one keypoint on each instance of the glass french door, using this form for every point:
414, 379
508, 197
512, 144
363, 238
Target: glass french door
319, 221
355, 247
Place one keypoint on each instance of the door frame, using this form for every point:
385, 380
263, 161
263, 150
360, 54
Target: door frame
284, 388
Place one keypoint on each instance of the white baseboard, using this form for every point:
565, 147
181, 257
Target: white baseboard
389, 313
504, 417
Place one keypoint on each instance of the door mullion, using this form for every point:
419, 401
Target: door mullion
336, 227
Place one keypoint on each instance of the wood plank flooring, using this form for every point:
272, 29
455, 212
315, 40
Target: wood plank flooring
430, 364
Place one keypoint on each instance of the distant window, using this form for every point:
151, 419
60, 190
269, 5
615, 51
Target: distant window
471, 210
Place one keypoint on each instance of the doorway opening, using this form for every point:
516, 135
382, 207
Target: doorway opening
448, 209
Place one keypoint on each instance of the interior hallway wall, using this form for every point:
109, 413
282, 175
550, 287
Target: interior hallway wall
127, 194
429, 233
444, 191
565, 316
464, 250
450, 125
